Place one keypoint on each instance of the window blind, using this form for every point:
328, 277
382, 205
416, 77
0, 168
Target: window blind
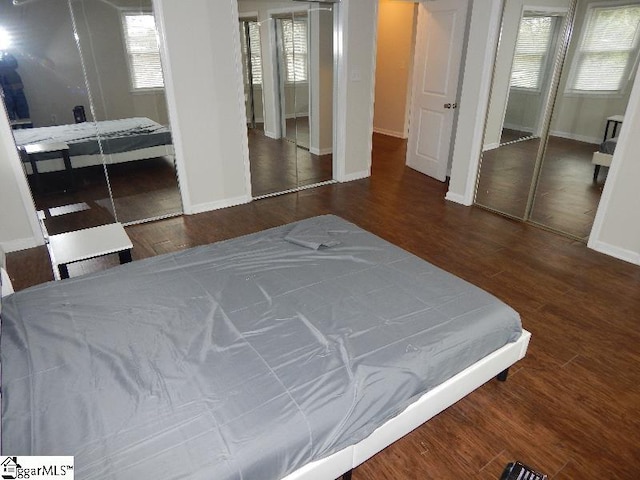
295, 49
141, 42
607, 49
256, 57
532, 46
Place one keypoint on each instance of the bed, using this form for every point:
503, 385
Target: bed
297, 352
95, 143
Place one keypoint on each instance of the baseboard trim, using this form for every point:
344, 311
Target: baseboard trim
457, 198
573, 136
390, 133
616, 252
320, 151
490, 146
270, 135
217, 205
20, 244
350, 177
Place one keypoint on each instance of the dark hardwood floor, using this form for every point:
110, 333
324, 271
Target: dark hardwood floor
570, 408
566, 198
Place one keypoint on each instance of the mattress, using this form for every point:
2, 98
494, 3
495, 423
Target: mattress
241, 359
113, 136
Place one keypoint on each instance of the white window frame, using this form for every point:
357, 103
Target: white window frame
132, 84
631, 62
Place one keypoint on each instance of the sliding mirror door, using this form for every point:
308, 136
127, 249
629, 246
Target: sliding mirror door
550, 137
592, 97
291, 46
43, 82
118, 42
520, 96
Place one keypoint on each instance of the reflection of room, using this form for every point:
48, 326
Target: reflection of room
80, 57
287, 52
547, 173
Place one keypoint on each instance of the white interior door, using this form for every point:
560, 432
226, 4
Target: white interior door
438, 52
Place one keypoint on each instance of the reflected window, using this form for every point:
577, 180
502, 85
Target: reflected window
143, 50
295, 49
253, 44
532, 47
607, 50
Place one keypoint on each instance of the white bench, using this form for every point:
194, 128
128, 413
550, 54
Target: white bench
87, 243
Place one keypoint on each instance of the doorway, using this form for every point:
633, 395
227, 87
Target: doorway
553, 177
417, 69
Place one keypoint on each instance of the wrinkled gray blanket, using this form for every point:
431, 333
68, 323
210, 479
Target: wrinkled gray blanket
242, 359
92, 138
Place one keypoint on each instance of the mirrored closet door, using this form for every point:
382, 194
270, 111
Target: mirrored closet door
287, 50
562, 79
93, 81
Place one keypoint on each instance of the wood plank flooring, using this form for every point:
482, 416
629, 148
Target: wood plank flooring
571, 408
566, 199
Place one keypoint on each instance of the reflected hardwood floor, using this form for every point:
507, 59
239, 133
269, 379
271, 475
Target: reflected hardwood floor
571, 408
278, 165
141, 189
566, 198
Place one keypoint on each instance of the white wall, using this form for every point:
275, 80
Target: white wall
206, 101
616, 229
18, 222
356, 66
396, 36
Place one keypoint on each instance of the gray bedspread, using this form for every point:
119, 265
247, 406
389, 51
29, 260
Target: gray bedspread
115, 136
241, 359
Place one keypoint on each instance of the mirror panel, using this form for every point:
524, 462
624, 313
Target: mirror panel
594, 90
118, 42
44, 63
520, 97
292, 146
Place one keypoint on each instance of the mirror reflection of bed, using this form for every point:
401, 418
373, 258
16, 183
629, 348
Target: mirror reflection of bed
287, 50
82, 69
542, 148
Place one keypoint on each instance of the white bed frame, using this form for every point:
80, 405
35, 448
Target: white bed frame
79, 161
425, 408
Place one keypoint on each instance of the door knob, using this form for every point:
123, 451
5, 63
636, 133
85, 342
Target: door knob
447, 105
450, 105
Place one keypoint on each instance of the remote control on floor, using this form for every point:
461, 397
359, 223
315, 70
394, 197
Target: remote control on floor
519, 471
